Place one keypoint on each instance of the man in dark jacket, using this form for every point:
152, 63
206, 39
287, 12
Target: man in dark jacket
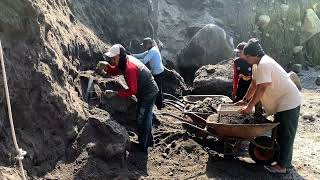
242, 74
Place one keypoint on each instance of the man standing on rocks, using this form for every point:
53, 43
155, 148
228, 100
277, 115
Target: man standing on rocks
241, 75
153, 57
140, 83
279, 96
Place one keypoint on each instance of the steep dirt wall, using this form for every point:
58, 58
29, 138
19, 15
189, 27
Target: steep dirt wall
118, 21
45, 47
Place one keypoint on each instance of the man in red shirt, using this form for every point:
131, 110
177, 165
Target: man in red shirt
140, 83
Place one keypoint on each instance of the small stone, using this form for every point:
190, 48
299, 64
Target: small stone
171, 173
164, 155
263, 21
297, 49
309, 117
299, 24
310, 107
167, 150
318, 81
291, 29
297, 68
173, 144
267, 35
284, 7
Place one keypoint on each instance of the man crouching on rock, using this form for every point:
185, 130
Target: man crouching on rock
140, 83
279, 96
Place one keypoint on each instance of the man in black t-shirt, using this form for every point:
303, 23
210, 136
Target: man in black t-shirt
242, 74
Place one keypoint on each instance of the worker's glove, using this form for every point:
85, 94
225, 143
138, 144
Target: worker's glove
102, 65
110, 93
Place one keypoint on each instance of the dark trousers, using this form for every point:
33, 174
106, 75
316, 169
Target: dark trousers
243, 87
286, 134
144, 122
159, 101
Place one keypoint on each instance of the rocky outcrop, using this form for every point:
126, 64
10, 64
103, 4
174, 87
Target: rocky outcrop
209, 45
118, 21
180, 20
213, 79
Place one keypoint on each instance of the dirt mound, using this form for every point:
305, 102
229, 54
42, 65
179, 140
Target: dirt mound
45, 47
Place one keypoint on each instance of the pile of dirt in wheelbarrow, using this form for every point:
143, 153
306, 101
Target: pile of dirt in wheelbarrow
238, 119
208, 105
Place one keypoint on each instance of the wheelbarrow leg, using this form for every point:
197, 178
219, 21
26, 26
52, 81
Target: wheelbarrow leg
231, 147
274, 136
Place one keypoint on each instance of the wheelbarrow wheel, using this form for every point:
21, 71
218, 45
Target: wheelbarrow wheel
261, 155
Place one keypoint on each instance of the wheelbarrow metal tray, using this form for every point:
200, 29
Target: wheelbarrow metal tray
243, 131
192, 99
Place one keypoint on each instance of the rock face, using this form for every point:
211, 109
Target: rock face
213, 79
118, 21
209, 45
179, 21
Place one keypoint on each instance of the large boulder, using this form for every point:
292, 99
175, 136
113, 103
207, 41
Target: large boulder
173, 83
180, 20
101, 137
213, 79
209, 45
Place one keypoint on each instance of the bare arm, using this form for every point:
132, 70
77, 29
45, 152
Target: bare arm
260, 90
251, 90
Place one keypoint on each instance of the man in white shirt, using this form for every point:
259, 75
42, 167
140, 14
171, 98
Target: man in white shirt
279, 96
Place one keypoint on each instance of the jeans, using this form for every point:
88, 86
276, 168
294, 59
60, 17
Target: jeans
144, 122
159, 101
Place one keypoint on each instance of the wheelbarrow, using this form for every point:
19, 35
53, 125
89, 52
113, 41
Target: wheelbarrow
262, 149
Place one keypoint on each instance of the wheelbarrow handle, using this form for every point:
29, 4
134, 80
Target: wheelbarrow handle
188, 125
173, 97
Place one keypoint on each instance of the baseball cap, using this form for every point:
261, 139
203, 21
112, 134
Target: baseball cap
113, 51
240, 47
253, 48
146, 40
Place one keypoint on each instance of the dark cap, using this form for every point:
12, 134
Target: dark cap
147, 40
240, 47
253, 48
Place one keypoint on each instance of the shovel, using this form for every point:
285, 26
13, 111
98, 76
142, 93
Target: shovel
89, 91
